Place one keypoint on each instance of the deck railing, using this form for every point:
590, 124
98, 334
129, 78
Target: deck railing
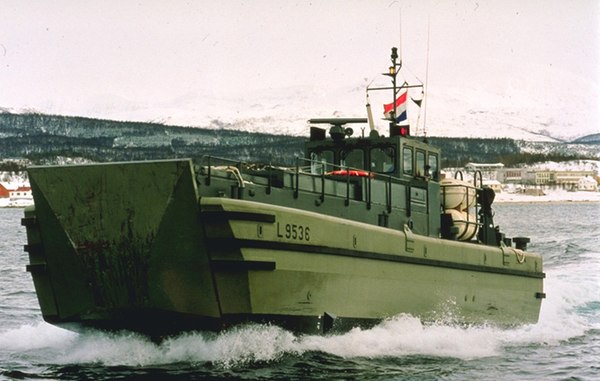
316, 169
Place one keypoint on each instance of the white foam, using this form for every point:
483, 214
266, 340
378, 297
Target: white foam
239, 345
34, 337
569, 288
406, 335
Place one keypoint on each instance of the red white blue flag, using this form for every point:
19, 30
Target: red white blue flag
388, 109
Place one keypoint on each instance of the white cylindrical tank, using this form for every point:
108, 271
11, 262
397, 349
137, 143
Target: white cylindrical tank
457, 194
465, 222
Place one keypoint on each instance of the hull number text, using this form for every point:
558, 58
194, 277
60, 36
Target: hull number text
293, 231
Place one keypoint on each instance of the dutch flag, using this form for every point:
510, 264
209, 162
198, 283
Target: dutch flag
388, 109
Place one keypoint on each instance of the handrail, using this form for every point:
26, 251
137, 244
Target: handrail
297, 182
369, 193
298, 170
270, 179
308, 162
477, 175
408, 201
208, 177
388, 193
347, 201
322, 195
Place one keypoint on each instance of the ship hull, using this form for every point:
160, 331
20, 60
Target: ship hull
136, 246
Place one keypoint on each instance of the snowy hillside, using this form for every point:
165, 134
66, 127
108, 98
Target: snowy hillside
451, 112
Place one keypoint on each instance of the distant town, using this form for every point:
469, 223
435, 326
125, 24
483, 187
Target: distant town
525, 179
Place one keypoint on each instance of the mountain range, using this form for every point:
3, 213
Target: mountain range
446, 112
51, 139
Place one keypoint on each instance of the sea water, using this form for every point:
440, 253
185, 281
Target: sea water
563, 345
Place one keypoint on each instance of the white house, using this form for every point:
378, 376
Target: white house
494, 184
20, 197
587, 183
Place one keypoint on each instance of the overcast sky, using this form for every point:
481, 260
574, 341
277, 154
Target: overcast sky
62, 56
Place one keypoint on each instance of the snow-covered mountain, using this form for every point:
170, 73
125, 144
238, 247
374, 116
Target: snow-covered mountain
447, 111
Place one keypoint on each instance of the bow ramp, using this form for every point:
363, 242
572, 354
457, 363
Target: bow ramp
115, 239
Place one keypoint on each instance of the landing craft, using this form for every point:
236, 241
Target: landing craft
361, 229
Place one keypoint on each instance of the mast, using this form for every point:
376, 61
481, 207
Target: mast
393, 72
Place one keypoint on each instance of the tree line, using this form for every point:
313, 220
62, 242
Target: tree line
41, 139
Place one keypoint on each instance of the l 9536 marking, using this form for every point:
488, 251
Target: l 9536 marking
293, 231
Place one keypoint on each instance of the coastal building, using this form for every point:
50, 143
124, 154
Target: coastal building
20, 194
488, 170
15, 197
4, 192
534, 177
587, 183
567, 179
570, 179
494, 184
511, 175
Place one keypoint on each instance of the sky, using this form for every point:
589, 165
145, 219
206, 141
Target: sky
521, 63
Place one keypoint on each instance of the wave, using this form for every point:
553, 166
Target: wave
404, 335
570, 311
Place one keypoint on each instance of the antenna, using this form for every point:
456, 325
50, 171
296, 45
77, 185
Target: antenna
399, 26
426, 88
400, 30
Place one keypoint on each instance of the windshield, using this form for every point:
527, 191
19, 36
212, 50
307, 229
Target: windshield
383, 159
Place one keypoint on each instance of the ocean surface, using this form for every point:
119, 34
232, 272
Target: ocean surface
564, 345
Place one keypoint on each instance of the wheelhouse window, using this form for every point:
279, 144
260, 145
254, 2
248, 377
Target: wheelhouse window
354, 158
433, 166
321, 162
420, 163
383, 159
407, 160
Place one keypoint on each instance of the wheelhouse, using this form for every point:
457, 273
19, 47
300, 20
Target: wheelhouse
398, 156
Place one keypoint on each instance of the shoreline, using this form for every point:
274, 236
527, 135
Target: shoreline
546, 201
520, 199
550, 196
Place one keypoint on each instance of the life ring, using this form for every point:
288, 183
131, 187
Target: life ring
351, 172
